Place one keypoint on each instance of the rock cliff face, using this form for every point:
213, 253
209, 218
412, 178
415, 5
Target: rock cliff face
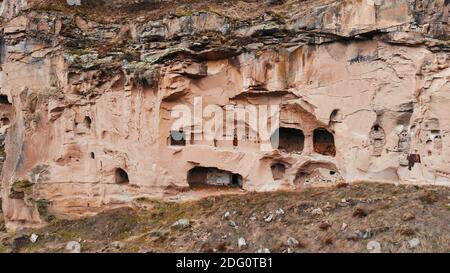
88, 90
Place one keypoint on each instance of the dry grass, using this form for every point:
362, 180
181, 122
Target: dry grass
370, 211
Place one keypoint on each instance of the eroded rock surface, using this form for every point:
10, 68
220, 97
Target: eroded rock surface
87, 89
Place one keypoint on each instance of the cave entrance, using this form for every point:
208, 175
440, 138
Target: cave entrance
121, 176
315, 173
403, 141
324, 142
336, 117
4, 100
87, 122
377, 139
289, 140
236, 180
203, 177
278, 171
4, 121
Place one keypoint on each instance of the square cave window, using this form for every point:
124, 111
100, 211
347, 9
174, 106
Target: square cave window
4, 100
324, 142
278, 171
289, 140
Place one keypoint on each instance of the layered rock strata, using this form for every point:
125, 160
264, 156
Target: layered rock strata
88, 87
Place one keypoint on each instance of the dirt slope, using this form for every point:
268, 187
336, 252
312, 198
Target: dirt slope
341, 219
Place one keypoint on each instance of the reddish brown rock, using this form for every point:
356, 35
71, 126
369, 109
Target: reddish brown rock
87, 96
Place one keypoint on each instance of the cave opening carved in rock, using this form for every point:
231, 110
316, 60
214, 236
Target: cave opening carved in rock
213, 177
4, 100
434, 143
121, 176
278, 171
87, 122
336, 117
403, 141
317, 174
289, 140
4, 121
324, 142
377, 139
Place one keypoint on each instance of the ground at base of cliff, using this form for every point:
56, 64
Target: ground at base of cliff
363, 217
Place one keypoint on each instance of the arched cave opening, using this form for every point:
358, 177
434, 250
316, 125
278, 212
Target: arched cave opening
278, 171
204, 176
336, 116
87, 122
377, 139
289, 140
121, 176
324, 142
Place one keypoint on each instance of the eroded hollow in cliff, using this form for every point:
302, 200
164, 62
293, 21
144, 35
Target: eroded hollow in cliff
324, 142
204, 176
121, 176
4, 100
317, 174
403, 141
278, 171
87, 122
289, 140
336, 117
377, 139
4, 121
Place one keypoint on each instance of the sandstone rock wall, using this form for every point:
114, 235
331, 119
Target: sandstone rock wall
87, 92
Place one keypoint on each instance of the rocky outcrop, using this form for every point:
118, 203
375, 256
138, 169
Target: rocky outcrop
88, 92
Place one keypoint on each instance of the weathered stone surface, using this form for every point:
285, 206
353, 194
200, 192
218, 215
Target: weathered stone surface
242, 244
374, 247
73, 247
181, 224
413, 243
86, 99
